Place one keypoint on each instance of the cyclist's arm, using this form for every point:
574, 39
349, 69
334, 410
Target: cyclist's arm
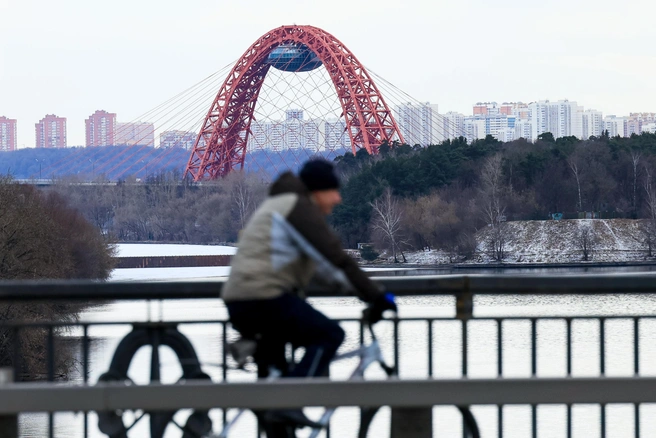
323, 246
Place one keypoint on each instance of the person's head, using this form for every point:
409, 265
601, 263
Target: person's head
320, 179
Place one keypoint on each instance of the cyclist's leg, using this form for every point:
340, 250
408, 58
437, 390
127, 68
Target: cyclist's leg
263, 320
304, 326
259, 320
271, 353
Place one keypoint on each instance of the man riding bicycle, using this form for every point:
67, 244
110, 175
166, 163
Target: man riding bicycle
285, 243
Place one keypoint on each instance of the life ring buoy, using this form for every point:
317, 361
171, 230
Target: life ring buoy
111, 423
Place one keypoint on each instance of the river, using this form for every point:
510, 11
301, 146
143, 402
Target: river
413, 358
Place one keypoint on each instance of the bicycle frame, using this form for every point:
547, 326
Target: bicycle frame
368, 354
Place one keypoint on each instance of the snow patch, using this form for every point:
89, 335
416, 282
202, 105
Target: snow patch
618, 240
165, 249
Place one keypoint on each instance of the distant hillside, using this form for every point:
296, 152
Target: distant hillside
121, 162
617, 240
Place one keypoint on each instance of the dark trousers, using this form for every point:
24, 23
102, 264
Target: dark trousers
282, 320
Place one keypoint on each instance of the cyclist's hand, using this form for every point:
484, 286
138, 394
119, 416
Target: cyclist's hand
379, 305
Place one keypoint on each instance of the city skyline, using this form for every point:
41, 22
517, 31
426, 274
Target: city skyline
484, 119
541, 57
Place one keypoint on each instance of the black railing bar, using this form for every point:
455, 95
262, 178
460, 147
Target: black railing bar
50, 354
79, 324
429, 349
602, 346
568, 346
396, 347
465, 349
417, 285
499, 347
224, 370
534, 347
636, 420
636, 346
295, 393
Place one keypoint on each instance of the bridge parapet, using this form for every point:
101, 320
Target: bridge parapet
469, 293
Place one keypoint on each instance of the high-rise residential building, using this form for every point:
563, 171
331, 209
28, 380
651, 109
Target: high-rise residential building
649, 128
505, 135
296, 133
592, 123
496, 124
294, 114
539, 118
637, 121
259, 135
485, 109
519, 110
8, 140
177, 139
561, 118
100, 128
313, 135
453, 125
335, 134
135, 133
475, 128
419, 123
51, 132
292, 136
616, 125
523, 129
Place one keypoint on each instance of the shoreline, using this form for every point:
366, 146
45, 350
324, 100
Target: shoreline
450, 266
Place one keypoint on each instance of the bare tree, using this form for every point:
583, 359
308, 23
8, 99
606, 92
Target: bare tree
648, 225
576, 169
247, 193
493, 206
586, 240
243, 200
429, 220
635, 161
386, 221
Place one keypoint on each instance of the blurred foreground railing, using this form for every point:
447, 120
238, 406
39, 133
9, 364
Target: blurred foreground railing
568, 391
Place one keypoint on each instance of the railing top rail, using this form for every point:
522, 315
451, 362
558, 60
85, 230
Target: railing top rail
403, 286
294, 393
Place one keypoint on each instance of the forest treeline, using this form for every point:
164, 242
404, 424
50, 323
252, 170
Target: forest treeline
403, 198
166, 209
440, 196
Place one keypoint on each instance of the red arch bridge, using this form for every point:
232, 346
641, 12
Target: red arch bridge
222, 141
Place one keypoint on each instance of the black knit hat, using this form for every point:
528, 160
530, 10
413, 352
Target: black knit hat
319, 175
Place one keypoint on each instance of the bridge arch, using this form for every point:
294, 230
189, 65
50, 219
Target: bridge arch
221, 143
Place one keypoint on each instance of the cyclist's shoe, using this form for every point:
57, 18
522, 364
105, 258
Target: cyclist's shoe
295, 417
241, 350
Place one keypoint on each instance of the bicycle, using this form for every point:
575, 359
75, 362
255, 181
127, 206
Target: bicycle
199, 424
242, 352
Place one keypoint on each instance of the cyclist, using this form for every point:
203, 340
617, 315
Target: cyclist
285, 243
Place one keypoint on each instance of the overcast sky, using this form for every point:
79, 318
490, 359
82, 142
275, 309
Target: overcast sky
71, 57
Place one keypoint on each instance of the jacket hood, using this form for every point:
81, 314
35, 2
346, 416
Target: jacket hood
288, 183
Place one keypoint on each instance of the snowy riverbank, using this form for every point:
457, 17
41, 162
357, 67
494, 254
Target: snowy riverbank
554, 242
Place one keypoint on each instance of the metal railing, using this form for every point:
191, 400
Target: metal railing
534, 390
